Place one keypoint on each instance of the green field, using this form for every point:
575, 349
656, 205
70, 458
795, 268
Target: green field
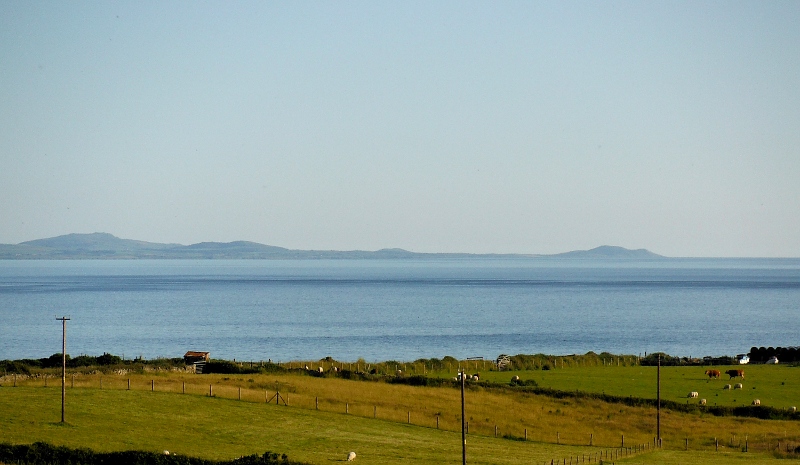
386, 423
774, 385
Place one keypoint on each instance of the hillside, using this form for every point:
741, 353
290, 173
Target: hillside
108, 246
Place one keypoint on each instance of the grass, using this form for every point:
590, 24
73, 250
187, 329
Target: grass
775, 385
372, 418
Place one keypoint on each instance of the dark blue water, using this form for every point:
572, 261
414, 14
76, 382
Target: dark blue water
397, 309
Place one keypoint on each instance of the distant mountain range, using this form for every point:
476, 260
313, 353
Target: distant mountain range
107, 246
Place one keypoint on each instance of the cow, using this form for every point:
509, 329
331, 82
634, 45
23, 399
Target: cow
713, 374
735, 374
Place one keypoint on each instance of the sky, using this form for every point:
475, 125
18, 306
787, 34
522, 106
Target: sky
481, 127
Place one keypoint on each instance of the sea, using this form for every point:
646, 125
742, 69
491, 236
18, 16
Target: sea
397, 309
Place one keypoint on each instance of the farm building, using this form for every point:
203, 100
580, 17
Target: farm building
194, 357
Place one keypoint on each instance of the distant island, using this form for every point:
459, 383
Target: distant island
107, 246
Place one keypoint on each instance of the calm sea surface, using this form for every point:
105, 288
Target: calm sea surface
397, 309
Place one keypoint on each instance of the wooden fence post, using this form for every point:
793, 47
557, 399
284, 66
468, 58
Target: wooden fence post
346, 407
183, 388
316, 403
210, 390
240, 389
152, 385
437, 421
374, 411
409, 417
73, 381
129, 384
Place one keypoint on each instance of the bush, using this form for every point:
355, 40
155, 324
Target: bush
45, 454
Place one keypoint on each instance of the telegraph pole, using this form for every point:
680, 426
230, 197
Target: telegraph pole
63, 320
658, 409
463, 426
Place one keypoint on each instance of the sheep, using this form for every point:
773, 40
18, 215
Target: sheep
702, 402
476, 377
166, 452
351, 456
515, 379
756, 401
726, 387
792, 409
693, 394
738, 386
320, 370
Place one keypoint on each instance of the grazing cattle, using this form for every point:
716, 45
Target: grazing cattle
738, 386
693, 394
702, 402
735, 374
727, 386
713, 374
756, 402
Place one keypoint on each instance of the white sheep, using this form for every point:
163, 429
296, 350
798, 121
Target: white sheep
726, 387
351, 456
702, 402
792, 409
756, 401
693, 394
320, 370
738, 386
514, 379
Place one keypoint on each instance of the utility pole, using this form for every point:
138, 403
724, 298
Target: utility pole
63, 320
658, 409
463, 423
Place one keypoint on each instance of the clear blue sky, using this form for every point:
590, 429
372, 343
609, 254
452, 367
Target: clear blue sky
529, 127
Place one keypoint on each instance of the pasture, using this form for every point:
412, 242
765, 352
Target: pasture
224, 416
775, 385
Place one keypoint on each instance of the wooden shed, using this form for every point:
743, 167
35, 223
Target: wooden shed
192, 357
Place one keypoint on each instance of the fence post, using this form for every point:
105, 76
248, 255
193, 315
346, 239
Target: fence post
183, 388
129, 384
210, 391
409, 417
374, 411
346, 407
101, 382
437, 421
558, 438
152, 385
316, 403
495, 430
240, 389
591, 438
526, 434
73, 381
